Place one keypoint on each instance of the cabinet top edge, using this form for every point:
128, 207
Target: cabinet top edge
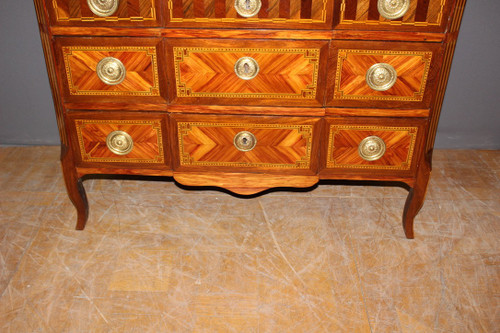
250, 34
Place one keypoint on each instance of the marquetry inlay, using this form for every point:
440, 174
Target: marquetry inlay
128, 11
146, 135
344, 140
412, 68
140, 63
279, 146
274, 11
360, 12
283, 73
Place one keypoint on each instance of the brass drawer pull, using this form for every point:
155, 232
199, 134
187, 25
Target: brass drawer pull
103, 8
111, 71
393, 9
246, 68
244, 141
381, 77
119, 142
247, 8
371, 148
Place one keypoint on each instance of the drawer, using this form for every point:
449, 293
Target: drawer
104, 13
111, 69
376, 74
117, 138
231, 142
373, 144
282, 14
237, 72
397, 15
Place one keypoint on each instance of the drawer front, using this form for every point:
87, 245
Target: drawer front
107, 69
283, 14
104, 13
412, 15
373, 144
382, 74
250, 142
133, 139
247, 73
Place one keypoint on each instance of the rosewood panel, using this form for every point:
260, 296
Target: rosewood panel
415, 68
277, 14
278, 143
288, 73
127, 13
374, 146
119, 139
420, 15
142, 69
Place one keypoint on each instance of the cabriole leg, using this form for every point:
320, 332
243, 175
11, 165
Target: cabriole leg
75, 189
415, 199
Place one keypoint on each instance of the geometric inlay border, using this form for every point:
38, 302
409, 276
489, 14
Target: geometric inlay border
308, 93
86, 157
306, 131
418, 95
334, 129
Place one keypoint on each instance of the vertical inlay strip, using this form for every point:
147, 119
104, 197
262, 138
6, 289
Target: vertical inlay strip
220, 8
305, 9
284, 8
445, 73
264, 9
199, 10
350, 10
422, 8
373, 13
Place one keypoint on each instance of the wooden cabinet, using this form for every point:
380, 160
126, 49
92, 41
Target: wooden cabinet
249, 94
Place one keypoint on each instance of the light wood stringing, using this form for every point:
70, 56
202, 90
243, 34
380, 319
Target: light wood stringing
279, 146
140, 63
146, 134
343, 142
209, 72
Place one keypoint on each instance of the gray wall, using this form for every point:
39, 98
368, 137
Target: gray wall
470, 117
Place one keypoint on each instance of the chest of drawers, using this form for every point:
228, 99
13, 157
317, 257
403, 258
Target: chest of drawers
249, 94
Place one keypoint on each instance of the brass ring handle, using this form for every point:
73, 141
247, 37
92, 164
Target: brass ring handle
393, 9
247, 8
371, 148
381, 77
111, 71
246, 68
245, 141
103, 8
119, 142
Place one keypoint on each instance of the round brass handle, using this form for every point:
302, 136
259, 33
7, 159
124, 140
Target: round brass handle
245, 141
119, 142
247, 8
103, 8
371, 148
246, 68
393, 9
381, 77
111, 71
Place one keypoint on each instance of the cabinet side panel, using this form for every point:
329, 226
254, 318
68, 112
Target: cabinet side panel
51, 70
445, 71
